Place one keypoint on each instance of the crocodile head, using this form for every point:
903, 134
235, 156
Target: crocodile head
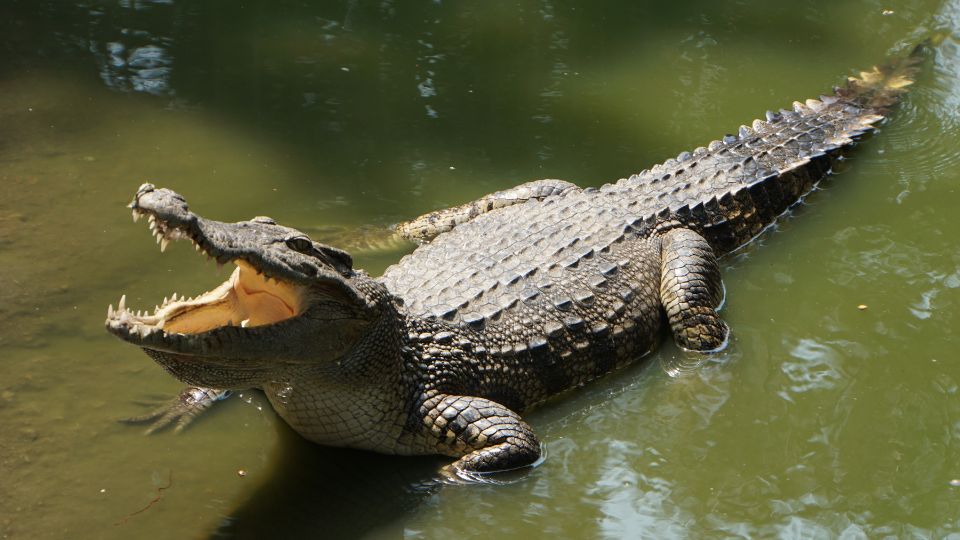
291, 303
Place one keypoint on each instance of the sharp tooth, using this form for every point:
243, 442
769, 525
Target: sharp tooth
163, 245
174, 297
165, 301
156, 309
153, 219
136, 215
197, 246
110, 312
244, 323
123, 303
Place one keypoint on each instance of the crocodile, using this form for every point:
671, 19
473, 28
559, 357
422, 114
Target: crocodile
509, 301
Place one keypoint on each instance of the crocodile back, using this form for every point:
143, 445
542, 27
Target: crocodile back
498, 259
529, 300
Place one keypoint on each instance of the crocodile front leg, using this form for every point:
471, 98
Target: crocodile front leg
690, 290
484, 435
181, 410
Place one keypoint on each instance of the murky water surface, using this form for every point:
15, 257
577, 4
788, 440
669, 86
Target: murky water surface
820, 420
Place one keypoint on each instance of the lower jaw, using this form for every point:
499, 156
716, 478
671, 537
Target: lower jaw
246, 299
207, 372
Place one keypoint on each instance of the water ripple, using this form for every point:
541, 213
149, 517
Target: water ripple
818, 368
132, 59
682, 364
927, 124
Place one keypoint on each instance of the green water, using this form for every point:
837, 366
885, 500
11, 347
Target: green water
820, 420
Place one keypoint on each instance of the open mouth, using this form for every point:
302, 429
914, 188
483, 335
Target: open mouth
248, 299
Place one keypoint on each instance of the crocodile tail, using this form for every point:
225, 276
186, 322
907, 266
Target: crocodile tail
881, 87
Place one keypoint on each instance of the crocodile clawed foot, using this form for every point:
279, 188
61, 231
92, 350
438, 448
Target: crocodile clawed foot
180, 411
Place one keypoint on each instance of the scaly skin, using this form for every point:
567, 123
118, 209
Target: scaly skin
519, 296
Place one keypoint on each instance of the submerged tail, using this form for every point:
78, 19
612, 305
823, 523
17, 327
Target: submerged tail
881, 87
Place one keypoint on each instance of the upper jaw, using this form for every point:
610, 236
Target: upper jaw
171, 219
259, 242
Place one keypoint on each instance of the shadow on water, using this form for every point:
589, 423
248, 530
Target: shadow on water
333, 492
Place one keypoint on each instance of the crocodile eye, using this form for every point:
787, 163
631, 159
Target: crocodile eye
301, 244
264, 219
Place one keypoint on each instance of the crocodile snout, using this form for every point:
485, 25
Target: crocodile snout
164, 204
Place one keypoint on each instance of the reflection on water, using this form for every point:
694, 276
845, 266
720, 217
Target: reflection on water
699, 75
427, 61
143, 69
129, 57
637, 502
560, 73
819, 420
818, 368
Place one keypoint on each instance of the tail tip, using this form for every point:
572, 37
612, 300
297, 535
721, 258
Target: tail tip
882, 86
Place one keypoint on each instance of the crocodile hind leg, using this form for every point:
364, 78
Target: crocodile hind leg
484, 435
691, 290
428, 226
181, 410
371, 239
